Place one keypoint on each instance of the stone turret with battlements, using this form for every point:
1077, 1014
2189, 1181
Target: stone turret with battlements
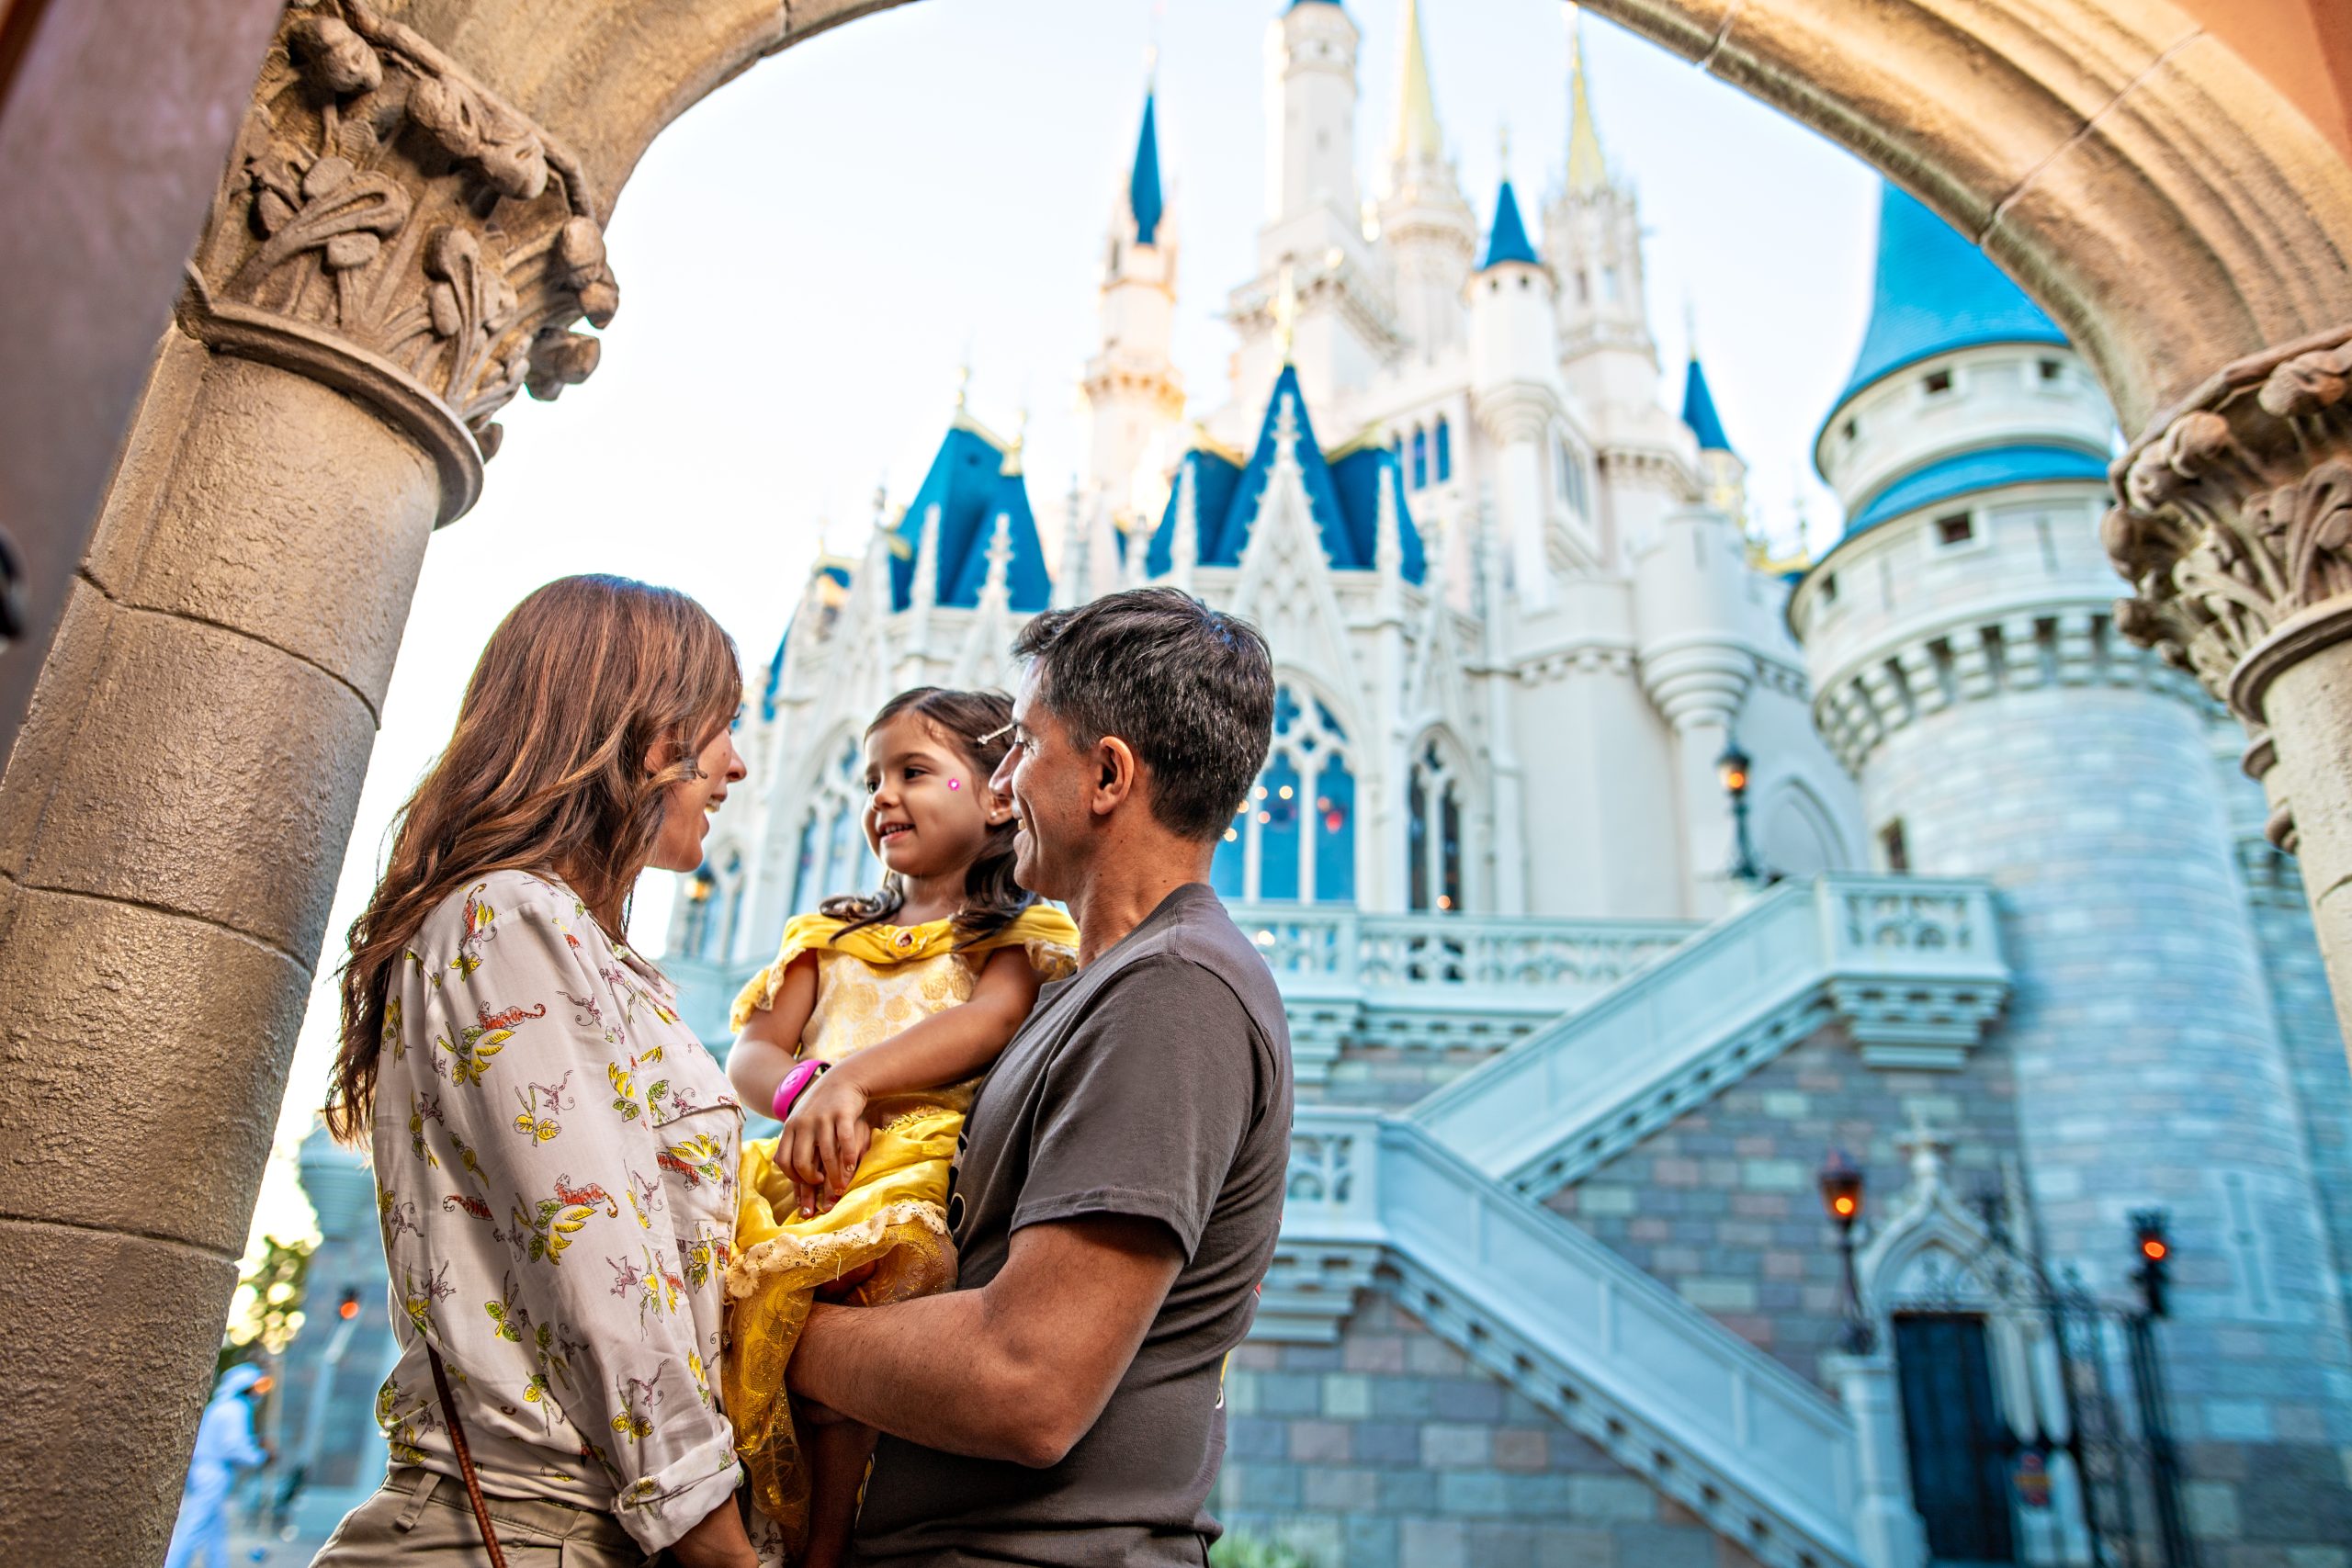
1967, 668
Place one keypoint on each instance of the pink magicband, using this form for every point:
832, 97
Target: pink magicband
795, 1082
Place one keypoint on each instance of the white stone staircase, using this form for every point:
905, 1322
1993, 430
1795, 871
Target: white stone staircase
1437, 1203
1727, 1432
1911, 965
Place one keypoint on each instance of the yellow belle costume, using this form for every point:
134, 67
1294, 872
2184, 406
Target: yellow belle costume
872, 983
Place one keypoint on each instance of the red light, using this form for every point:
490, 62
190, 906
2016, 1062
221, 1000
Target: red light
2153, 1250
1844, 1206
348, 1309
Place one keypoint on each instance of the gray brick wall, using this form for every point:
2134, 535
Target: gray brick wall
1391, 1449
1722, 1206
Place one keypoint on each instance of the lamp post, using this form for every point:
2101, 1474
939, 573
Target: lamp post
1731, 769
1841, 1195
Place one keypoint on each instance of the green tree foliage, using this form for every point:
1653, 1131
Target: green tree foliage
267, 1312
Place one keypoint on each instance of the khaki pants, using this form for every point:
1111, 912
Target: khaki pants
418, 1516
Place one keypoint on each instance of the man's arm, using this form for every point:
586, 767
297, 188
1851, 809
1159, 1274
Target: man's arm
1018, 1370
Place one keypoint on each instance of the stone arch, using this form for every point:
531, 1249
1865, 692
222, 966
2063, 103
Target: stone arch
1796, 834
2169, 206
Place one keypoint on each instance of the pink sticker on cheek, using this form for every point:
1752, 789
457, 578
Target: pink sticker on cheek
954, 783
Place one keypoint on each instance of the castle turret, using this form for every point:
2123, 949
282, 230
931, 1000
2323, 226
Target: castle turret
1427, 229
1515, 390
1722, 475
1966, 667
1311, 198
1134, 396
1344, 326
1593, 244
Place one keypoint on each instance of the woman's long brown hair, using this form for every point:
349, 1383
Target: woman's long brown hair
993, 900
545, 772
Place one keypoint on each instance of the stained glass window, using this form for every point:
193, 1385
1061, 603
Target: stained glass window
1295, 836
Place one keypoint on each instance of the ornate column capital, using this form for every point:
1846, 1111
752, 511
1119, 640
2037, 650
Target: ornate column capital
2234, 525
390, 227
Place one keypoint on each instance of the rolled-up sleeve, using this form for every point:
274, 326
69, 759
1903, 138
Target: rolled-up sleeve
581, 1291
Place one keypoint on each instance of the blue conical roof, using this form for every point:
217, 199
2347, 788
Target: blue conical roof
1936, 292
1143, 184
1507, 241
1699, 410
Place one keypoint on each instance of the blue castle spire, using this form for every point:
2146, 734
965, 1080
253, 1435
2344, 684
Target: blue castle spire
1699, 409
1936, 292
1143, 185
1507, 241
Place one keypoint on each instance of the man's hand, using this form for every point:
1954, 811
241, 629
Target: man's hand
824, 1141
717, 1542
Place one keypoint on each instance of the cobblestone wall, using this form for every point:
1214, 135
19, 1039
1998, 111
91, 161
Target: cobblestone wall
2150, 1062
1390, 1449
1721, 1205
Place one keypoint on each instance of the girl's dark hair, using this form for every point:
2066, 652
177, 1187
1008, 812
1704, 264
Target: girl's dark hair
993, 900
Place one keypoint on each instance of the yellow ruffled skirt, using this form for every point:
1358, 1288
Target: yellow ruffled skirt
893, 1217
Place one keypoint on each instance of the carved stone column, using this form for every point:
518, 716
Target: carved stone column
393, 253
2235, 531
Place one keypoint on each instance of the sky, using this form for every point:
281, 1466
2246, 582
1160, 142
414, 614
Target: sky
808, 258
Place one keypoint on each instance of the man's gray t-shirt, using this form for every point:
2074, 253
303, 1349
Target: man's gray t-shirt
1155, 1083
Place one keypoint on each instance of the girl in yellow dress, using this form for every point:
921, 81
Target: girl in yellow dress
866, 1038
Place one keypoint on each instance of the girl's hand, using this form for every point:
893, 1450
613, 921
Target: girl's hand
824, 1141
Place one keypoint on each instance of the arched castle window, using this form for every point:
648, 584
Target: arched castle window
1294, 837
833, 856
1420, 458
1445, 450
1433, 833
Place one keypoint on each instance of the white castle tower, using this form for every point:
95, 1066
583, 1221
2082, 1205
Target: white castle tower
1966, 665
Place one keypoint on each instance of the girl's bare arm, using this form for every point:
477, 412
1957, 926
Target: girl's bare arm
827, 1136
764, 1051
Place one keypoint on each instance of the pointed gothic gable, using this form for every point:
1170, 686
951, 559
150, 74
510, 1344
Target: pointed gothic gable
1285, 588
967, 484
1028, 587
1314, 476
1342, 495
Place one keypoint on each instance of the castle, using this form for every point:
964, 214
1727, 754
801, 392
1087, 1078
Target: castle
1996, 915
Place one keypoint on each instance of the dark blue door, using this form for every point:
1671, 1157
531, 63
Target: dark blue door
1960, 1446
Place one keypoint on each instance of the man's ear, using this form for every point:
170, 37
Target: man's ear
1119, 774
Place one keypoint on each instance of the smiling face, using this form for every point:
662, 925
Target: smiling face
1049, 781
688, 804
928, 810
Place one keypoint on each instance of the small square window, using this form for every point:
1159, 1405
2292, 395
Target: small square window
1956, 529
2052, 370
1937, 382
1891, 847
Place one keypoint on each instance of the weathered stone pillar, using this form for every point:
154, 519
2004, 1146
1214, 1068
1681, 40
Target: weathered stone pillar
2235, 531
393, 253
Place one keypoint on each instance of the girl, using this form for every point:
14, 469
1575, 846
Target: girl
865, 1038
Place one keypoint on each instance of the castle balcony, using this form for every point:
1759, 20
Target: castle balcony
1438, 982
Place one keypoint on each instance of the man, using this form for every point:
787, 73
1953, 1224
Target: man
1121, 1180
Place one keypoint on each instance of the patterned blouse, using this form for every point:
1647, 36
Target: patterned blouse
555, 1160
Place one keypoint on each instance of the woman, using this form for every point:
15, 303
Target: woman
555, 1153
